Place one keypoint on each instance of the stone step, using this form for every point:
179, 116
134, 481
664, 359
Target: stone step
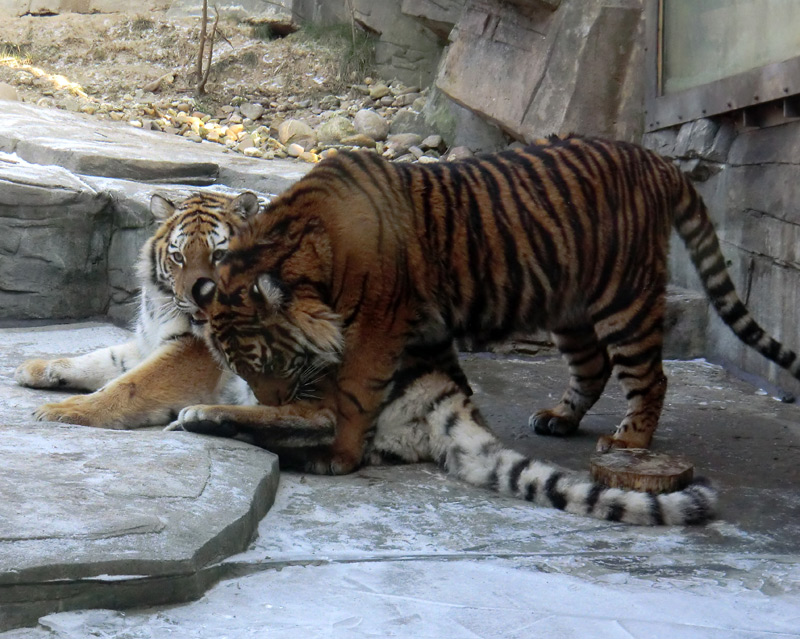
102, 518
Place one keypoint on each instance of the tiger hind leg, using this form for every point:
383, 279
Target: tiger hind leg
634, 338
589, 369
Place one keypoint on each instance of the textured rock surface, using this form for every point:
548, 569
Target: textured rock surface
535, 70
255, 10
55, 230
47, 7
70, 234
93, 517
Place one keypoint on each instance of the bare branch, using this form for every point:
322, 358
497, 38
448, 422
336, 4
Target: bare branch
201, 85
201, 48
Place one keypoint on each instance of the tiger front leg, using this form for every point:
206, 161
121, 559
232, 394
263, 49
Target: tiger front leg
357, 394
272, 427
177, 374
84, 372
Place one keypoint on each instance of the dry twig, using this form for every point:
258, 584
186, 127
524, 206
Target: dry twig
202, 75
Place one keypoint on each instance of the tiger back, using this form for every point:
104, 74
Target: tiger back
363, 259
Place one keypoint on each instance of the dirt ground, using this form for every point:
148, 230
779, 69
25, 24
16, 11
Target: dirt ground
102, 64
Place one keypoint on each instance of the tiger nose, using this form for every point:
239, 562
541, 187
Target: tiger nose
203, 291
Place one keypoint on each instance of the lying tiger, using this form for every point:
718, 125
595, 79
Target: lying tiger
426, 415
363, 261
166, 367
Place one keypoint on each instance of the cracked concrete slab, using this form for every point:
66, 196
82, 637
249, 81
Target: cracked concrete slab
404, 551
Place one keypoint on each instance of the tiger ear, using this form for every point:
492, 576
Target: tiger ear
161, 207
272, 291
246, 204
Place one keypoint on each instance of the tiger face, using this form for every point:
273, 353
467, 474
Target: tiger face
264, 331
190, 242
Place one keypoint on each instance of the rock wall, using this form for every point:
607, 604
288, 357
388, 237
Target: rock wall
748, 178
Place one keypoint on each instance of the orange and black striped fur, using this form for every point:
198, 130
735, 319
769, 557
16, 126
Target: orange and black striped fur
166, 366
363, 262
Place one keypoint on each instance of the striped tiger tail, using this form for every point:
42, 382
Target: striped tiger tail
431, 418
695, 228
463, 445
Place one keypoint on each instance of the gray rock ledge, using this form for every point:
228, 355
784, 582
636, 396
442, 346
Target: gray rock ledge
98, 518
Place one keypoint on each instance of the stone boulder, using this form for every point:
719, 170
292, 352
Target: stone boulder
367, 122
279, 11
54, 235
332, 131
537, 68
52, 7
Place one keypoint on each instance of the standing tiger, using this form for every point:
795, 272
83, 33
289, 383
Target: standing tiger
362, 262
165, 367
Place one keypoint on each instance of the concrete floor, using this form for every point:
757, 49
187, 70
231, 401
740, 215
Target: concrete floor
406, 552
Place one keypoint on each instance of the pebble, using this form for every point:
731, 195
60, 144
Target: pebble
431, 142
295, 150
459, 153
368, 122
401, 142
291, 128
384, 116
406, 99
251, 110
378, 91
335, 129
8, 92
359, 139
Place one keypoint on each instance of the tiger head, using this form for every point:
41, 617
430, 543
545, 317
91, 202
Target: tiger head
191, 240
266, 304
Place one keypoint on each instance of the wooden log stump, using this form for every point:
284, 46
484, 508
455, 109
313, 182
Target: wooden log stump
642, 470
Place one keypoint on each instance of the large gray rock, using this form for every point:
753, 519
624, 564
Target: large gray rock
252, 10
54, 230
99, 518
93, 517
70, 234
89, 146
537, 71
49, 7
438, 15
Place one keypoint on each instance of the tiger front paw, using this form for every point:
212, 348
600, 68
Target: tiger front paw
546, 422
206, 420
331, 463
627, 440
40, 373
78, 409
